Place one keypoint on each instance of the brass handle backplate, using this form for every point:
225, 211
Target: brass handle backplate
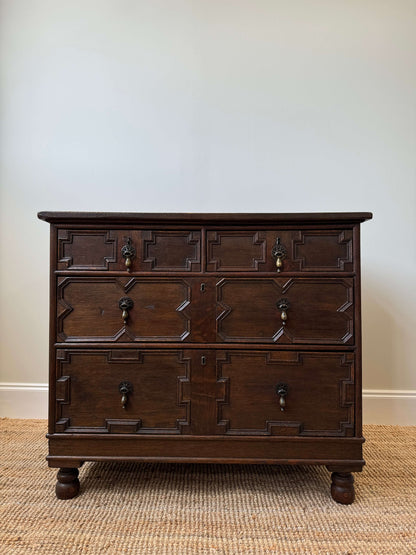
125, 388
283, 305
281, 391
279, 252
125, 304
128, 252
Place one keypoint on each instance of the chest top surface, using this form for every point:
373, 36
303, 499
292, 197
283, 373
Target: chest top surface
191, 217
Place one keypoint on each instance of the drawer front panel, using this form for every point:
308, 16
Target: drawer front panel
89, 391
89, 309
317, 310
300, 251
318, 393
129, 250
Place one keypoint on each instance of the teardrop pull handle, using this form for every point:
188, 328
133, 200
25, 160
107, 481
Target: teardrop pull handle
125, 388
128, 252
279, 252
283, 305
281, 391
125, 304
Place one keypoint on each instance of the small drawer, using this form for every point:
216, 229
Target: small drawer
285, 393
280, 251
122, 391
132, 251
286, 310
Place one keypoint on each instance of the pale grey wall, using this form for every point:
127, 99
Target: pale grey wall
210, 105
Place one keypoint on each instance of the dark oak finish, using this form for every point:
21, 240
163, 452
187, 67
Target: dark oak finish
228, 338
306, 250
342, 487
197, 219
319, 399
67, 485
89, 397
319, 310
88, 309
153, 250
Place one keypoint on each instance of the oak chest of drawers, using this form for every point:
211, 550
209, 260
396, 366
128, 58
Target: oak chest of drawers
227, 338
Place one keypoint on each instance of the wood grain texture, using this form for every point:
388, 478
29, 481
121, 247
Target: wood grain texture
94, 377
314, 250
319, 401
320, 311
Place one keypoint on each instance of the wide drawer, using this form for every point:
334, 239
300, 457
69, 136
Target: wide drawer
206, 310
278, 310
204, 392
122, 391
143, 250
280, 250
286, 393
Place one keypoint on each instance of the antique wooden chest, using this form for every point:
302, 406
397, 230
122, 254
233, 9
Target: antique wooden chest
224, 338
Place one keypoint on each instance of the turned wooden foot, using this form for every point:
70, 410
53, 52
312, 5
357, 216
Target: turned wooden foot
67, 485
342, 487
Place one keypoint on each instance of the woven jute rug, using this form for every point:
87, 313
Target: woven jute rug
197, 509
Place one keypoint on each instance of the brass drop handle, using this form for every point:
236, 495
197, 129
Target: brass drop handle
281, 391
128, 252
283, 305
125, 304
125, 388
279, 252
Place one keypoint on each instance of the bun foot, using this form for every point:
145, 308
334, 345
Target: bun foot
342, 487
67, 485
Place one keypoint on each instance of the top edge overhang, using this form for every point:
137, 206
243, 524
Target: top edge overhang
138, 218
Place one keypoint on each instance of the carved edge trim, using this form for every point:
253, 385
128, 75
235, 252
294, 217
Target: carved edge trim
258, 239
348, 242
66, 237
193, 239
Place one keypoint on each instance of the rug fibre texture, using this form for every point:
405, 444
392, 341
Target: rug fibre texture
182, 509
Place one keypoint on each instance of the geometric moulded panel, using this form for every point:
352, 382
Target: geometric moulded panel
95, 401
320, 310
89, 309
85, 250
319, 399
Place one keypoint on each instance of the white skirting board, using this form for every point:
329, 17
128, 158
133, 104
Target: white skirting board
23, 400
381, 406
389, 407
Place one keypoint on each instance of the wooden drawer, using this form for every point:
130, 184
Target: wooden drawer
318, 311
318, 393
230, 392
307, 250
89, 391
157, 309
115, 309
251, 250
144, 250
